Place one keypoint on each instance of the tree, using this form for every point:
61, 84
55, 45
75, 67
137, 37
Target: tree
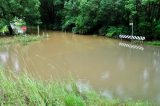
86, 16
79, 15
51, 13
27, 10
104, 17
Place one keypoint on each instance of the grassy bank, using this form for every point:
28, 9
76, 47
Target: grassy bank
24, 91
20, 39
155, 43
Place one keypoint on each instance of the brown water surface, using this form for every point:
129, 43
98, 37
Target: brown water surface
117, 69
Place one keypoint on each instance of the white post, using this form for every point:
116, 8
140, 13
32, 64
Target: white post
132, 27
38, 29
43, 33
47, 35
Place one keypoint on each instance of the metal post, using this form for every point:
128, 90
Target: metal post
47, 35
43, 33
38, 29
132, 29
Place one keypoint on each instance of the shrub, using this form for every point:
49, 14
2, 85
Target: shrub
115, 31
73, 100
157, 30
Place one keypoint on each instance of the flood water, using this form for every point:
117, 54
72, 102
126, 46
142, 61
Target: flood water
117, 69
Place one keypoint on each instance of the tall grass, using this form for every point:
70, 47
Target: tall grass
155, 43
24, 91
18, 39
27, 39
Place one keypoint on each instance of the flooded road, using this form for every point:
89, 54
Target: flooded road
117, 69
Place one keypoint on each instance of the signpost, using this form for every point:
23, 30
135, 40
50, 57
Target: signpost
132, 27
24, 28
38, 29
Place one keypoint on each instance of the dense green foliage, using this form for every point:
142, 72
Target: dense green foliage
104, 17
24, 91
27, 10
51, 13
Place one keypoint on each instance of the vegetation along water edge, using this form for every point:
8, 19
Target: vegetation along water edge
19, 39
24, 90
104, 17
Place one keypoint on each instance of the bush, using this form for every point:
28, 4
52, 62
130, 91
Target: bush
102, 30
157, 30
144, 28
115, 31
73, 100
4, 29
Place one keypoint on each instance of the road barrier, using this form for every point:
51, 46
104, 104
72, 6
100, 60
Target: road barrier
142, 38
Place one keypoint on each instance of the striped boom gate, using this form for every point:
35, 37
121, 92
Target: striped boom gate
142, 38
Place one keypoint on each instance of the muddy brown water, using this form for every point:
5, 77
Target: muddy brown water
117, 69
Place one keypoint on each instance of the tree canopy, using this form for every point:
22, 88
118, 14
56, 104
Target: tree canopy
24, 9
104, 17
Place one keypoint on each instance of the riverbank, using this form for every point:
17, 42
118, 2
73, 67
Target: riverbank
154, 43
18, 39
27, 91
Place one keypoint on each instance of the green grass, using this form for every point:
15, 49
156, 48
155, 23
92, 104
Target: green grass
27, 39
24, 91
18, 39
155, 43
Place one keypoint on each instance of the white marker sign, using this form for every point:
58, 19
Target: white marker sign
130, 23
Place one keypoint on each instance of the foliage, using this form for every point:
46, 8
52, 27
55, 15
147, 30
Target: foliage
51, 13
73, 100
27, 91
18, 22
4, 29
28, 10
2, 23
27, 39
157, 30
102, 30
96, 16
113, 31
86, 16
156, 43
71, 11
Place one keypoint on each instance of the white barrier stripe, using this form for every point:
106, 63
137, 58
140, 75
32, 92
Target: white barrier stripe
131, 46
132, 37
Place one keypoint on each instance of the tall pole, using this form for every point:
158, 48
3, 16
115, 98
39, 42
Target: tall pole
38, 29
132, 29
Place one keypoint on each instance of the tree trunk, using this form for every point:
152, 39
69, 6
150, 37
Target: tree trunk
10, 30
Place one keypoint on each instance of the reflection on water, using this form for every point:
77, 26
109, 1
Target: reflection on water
9, 58
95, 62
133, 46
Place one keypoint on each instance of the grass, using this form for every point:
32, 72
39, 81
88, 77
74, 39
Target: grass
156, 43
24, 91
18, 39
